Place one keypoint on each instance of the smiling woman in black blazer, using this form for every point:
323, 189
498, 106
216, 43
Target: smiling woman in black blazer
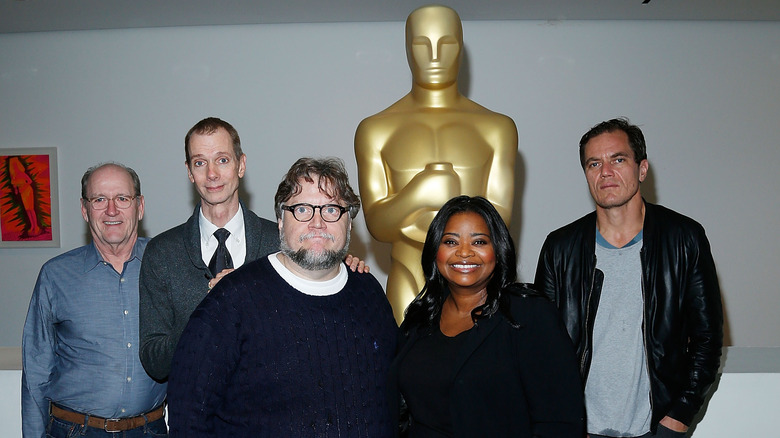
480, 355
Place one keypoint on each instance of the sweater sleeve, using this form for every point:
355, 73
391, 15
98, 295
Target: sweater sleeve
202, 365
549, 374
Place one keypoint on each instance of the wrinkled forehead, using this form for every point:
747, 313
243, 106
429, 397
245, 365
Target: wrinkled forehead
434, 23
611, 142
110, 179
218, 140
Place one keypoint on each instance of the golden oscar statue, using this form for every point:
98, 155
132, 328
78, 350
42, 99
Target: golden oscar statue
430, 146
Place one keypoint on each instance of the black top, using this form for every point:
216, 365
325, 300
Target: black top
508, 381
425, 377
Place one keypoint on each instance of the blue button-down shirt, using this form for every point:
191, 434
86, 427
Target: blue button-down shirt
80, 342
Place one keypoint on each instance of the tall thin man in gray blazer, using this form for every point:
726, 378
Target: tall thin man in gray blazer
175, 274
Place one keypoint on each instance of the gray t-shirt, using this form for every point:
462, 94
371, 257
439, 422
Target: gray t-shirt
617, 391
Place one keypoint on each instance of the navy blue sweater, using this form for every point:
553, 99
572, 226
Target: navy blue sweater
259, 358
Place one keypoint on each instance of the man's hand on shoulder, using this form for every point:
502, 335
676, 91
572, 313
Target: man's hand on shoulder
355, 264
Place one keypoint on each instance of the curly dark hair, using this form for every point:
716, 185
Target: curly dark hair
425, 309
330, 175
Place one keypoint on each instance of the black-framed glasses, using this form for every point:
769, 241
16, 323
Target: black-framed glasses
305, 212
120, 201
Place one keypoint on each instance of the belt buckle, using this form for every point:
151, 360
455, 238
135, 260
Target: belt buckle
112, 420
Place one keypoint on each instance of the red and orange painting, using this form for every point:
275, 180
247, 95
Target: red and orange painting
26, 197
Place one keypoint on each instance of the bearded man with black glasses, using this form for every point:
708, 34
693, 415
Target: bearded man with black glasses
293, 344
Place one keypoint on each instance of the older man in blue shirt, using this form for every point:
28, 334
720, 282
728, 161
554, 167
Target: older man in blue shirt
82, 373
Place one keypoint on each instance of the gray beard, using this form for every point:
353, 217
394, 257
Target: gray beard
313, 261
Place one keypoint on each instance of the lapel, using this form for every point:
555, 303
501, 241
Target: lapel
192, 241
405, 345
252, 233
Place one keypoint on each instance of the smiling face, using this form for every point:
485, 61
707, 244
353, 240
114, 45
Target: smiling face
112, 227
434, 38
314, 245
612, 173
466, 258
214, 169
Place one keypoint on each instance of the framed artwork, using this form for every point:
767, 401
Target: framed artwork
28, 198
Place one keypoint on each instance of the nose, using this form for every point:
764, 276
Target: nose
211, 171
606, 170
316, 220
464, 250
111, 209
435, 50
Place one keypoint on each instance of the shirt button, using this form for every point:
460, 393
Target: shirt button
126, 312
129, 345
129, 379
122, 280
124, 410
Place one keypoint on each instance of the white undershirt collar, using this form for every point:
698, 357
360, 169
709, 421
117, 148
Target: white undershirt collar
310, 287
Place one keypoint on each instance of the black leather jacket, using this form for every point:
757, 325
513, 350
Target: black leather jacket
683, 316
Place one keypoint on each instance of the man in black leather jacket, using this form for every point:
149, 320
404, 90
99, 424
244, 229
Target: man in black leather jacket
645, 315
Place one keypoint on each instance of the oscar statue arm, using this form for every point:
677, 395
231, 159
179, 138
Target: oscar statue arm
500, 189
395, 212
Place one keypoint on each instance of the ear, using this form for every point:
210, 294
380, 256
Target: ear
189, 172
644, 166
241, 165
141, 206
84, 210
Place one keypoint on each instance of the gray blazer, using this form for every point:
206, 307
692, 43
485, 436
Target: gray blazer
174, 280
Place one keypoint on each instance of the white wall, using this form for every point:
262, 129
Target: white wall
707, 95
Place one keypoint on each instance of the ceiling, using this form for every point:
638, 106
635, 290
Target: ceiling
59, 15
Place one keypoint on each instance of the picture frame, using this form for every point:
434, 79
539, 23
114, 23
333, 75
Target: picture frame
29, 202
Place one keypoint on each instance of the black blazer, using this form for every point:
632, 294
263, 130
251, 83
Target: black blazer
511, 382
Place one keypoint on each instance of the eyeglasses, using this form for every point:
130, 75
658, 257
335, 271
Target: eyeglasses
305, 212
120, 201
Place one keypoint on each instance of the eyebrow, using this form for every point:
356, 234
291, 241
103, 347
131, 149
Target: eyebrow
615, 155
102, 195
216, 154
471, 234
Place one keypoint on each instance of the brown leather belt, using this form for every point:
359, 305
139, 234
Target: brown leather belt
108, 424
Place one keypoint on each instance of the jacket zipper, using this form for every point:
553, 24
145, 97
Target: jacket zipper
586, 348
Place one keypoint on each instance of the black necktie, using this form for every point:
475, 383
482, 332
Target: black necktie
221, 258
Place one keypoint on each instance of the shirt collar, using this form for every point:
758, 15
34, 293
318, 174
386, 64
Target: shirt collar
310, 287
235, 225
602, 242
93, 258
